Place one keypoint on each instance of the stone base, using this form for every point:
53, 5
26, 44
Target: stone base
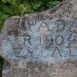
36, 69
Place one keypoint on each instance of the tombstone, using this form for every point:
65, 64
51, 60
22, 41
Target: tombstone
42, 44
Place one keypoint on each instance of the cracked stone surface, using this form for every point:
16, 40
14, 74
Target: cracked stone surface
43, 44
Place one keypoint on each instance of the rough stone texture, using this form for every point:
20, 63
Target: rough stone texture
42, 44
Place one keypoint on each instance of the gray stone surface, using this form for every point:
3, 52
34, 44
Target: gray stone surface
42, 44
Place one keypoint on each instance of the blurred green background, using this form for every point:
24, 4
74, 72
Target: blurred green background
20, 7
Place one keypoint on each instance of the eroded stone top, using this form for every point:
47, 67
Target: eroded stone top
49, 36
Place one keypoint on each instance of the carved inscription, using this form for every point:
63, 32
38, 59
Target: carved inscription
60, 25
59, 40
49, 40
46, 39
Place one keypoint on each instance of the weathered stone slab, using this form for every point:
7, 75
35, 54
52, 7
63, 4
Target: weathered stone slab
42, 44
